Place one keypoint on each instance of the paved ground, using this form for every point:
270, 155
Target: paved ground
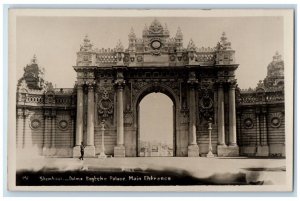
270, 170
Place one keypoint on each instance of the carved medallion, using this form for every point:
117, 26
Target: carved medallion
276, 120
248, 123
105, 105
206, 104
35, 124
172, 58
140, 58
63, 125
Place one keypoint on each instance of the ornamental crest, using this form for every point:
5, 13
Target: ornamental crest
206, 103
105, 105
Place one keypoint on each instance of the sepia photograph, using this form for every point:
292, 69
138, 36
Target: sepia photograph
151, 100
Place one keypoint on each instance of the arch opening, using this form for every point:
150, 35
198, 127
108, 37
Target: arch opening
156, 138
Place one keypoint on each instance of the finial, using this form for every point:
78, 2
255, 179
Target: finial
86, 38
119, 46
145, 27
131, 30
277, 56
179, 33
224, 44
33, 60
223, 37
132, 34
166, 26
191, 45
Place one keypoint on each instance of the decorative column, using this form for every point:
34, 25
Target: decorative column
233, 149
232, 115
47, 133
53, 132
258, 142
79, 121
221, 124
102, 153
193, 149
209, 154
28, 134
90, 147
119, 150
20, 128
262, 146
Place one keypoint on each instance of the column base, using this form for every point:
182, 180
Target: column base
76, 151
46, 151
210, 155
262, 151
228, 151
89, 151
193, 150
119, 151
50, 151
102, 155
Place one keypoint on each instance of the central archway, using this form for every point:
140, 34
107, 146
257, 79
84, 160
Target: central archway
173, 97
156, 126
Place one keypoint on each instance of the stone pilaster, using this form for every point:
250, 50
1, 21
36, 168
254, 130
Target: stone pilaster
53, 133
90, 148
232, 149
28, 134
193, 149
47, 133
221, 123
262, 146
232, 115
119, 150
79, 121
20, 128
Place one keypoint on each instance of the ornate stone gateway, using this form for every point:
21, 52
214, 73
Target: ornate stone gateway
112, 82
200, 81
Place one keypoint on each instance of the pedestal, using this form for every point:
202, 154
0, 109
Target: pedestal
228, 151
52, 151
102, 155
193, 151
76, 152
262, 151
89, 151
46, 151
119, 151
210, 155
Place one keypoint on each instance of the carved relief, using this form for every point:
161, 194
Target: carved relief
206, 103
276, 119
140, 58
34, 124
128, 118
105, 105
185, 117
248, 121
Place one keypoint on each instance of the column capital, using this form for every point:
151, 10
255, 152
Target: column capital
26, 112
220, 83
232, 83
192, 80
91, 85
79, 84
119, 83
20, 113
264, 110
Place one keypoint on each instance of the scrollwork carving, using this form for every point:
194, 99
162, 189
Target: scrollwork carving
105, 104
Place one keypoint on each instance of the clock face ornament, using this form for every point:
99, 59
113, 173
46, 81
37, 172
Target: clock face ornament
156, 44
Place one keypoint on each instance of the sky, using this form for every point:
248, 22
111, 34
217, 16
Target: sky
55, 41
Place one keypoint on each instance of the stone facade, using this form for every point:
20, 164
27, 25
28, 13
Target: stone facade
112, 82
